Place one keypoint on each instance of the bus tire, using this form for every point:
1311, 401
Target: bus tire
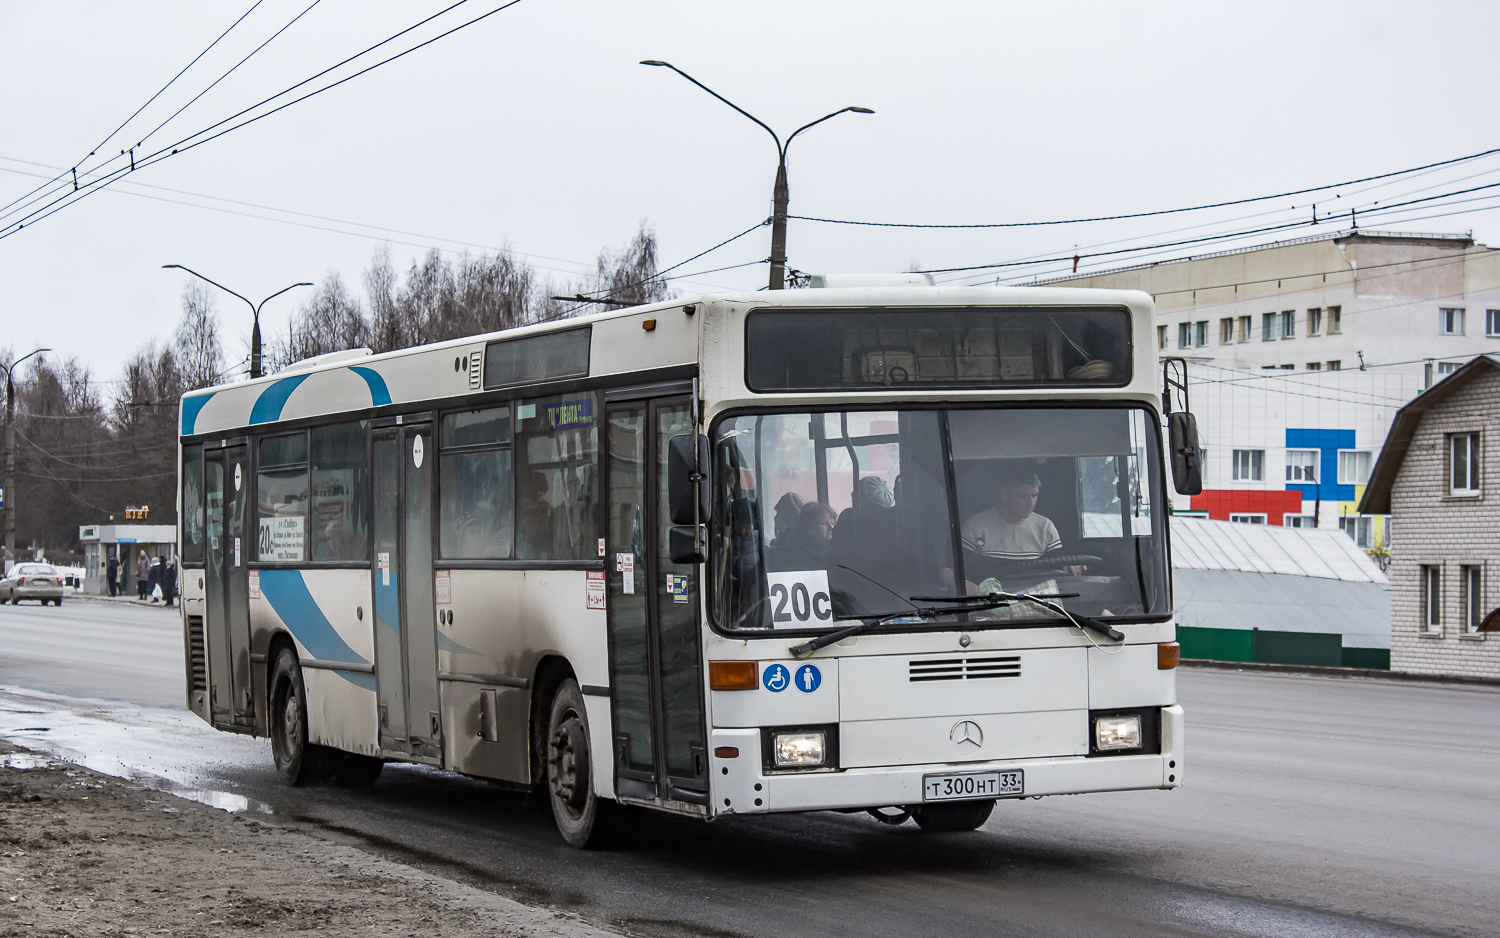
954, 816
570, 783
298, 761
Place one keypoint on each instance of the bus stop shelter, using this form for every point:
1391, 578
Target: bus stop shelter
125, 541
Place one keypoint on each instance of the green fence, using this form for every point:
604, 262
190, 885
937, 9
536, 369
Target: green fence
1271, 647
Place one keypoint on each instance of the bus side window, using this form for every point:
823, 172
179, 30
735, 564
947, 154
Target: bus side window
339, 474
281, 498
557, 478
474, 485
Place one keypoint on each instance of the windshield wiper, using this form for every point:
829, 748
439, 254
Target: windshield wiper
916, 612
1041, 599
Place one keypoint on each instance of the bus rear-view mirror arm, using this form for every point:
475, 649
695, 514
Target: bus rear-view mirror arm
1182, 428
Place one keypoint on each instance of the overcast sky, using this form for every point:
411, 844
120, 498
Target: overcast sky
537, 129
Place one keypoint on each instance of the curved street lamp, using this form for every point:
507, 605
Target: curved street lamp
779, 195
254, 309
10, 454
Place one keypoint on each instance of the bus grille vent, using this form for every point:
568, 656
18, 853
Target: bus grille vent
197, 653
964, 669
476, 373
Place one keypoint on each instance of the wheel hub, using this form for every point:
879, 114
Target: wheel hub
568, 771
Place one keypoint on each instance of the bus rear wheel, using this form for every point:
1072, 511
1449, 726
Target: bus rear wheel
298, 761
570, 784
953, 816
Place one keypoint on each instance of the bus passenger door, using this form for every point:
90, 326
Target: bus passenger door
227, 586
656, 685
405, 624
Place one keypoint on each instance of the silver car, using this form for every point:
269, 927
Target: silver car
38, 581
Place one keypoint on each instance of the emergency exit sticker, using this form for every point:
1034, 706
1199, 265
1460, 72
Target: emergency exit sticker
443, 580
593, 590
254, 584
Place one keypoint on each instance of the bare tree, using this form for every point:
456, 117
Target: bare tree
196, 346
331, 321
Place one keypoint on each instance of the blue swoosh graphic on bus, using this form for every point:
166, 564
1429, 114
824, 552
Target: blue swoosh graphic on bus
379, 393
190, 408
287, 593
268, 406
449, 645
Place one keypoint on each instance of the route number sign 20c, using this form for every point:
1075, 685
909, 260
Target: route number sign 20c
800, 599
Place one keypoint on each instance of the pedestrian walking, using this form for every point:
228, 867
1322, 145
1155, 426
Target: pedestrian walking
142, 575
168, 580
154, 576
112, 576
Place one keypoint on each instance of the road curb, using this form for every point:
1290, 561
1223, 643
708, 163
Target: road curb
1409, 676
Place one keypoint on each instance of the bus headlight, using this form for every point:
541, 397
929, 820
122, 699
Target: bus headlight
1123, 732
798, 750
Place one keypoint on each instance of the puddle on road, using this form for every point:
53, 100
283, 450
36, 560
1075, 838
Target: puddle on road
223, 800
26, 760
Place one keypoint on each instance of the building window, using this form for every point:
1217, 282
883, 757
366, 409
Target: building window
1288, 323
1492, 322
1448, 368
1161, 337
1314, 322
1432, 599
1268, 327
1354, 467
1249, 465
1297, 521
1245, 328
1385, 533
1314, 366
1336, 365
1184, 334
1451, 320
1287, 367
1200, 334
1464, 479
1248, 518
1359, 528
1302, 465
1335, 320
1472, 597
1226, 330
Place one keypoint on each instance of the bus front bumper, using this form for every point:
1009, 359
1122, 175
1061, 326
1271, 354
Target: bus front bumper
740, 786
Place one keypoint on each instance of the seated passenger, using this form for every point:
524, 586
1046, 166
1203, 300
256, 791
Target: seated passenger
805, 545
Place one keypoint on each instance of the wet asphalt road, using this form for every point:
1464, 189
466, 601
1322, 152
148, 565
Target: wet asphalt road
1313, 807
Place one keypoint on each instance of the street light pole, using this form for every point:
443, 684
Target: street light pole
10, 455
780, 194
254, 311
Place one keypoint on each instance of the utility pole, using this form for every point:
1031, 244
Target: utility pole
10, 454
780, 194
254, 311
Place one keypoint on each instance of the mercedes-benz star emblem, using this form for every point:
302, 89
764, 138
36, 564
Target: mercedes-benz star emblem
965, 735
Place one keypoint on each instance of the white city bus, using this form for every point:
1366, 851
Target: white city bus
916, 562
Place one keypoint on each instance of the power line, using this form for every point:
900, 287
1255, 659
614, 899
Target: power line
111, 134
183, 146
1170, 211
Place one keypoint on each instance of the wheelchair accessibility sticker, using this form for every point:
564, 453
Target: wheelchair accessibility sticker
776, 678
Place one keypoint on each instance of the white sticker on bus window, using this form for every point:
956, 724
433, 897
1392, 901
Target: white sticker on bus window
800, 599
254, 584
601, 547
443, 580
384, 562
236, 552
416, 451
593, 590
525, 412
236, 477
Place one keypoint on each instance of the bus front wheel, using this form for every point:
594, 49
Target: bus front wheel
298, 761
570, 785
953, 816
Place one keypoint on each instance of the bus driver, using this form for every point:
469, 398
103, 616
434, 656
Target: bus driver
1012, 530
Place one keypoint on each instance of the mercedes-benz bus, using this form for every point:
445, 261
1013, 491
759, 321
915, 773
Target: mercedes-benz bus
898, 549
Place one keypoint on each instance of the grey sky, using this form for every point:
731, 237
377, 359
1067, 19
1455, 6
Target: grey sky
538, 129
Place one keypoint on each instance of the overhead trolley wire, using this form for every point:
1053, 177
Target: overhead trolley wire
183, 145
1169, 211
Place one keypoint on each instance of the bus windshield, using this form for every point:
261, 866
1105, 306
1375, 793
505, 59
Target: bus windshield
821, 518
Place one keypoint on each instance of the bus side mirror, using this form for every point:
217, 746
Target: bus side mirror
1187, 456
687, 543
686, 474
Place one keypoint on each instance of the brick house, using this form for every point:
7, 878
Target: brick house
1438, 477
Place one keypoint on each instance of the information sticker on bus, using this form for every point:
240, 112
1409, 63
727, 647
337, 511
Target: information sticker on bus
974, 785
800, 599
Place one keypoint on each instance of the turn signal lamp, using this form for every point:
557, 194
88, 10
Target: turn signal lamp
1167, 655
797, 749
1117, 733
733, 675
